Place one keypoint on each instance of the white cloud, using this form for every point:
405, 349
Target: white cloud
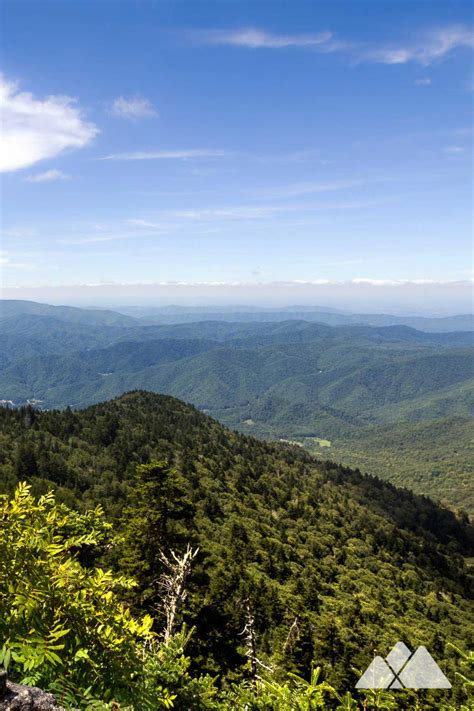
169, 219
19, 233
133, 231
422, 82
142, 223
240, 212
133, 108
428, 48
424, 49
310, 188
302, 156
272, 284
397, 282
164, 155
7, 263
97, 239
262, 211
209, 220
454, 150
49, 176
34, 129
253, 38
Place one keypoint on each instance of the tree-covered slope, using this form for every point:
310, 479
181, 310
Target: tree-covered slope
71, 314
345, 369
333, 317
435, 456
352, 562
282, 380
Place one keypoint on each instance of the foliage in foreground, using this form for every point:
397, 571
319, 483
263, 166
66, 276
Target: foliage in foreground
62, 624
347, 562
63, 627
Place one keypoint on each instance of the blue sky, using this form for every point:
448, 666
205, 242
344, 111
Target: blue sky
235, 143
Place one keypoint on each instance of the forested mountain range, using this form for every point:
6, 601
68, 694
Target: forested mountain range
130, 316
393, 400
331, 565
9, 308
332, 317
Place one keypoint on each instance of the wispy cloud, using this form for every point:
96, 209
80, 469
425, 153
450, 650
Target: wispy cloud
209, 220
34, 129
188, 154
429, 47
424, 49
248, 212
261, 284
397, 282
312, 188
110, 237
422, 82
7, 263
133, 229
49, 176
239, 212
454, 150
253, 38
133, 108
19, 233
302, 156
142, 223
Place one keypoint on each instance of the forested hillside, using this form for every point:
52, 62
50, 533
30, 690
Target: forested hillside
435, 456
382, 398
130, 316
11, 308
319, 564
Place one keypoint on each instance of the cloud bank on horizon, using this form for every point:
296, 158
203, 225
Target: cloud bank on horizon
276, 156
360, 294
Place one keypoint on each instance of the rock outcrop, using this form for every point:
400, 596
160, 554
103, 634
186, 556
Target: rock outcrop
15, 697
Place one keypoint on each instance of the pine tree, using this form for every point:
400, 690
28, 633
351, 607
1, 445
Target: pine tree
159, 519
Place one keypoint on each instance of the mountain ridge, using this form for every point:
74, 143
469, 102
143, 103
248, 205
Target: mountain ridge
182, 314
290, 379
359, 561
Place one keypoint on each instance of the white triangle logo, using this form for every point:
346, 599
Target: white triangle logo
377, 676
422, 672
402, 669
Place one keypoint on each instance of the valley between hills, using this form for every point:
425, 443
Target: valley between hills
389, 399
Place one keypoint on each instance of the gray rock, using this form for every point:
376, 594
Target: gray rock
15, 697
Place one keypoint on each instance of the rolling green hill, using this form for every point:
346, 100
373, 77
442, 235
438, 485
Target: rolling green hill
356, 562
435, 456
10, 308
332, 317
285, 380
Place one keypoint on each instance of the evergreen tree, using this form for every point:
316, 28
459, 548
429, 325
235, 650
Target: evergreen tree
159, 518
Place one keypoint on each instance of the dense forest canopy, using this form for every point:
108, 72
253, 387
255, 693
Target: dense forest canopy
323, 565
391, 400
